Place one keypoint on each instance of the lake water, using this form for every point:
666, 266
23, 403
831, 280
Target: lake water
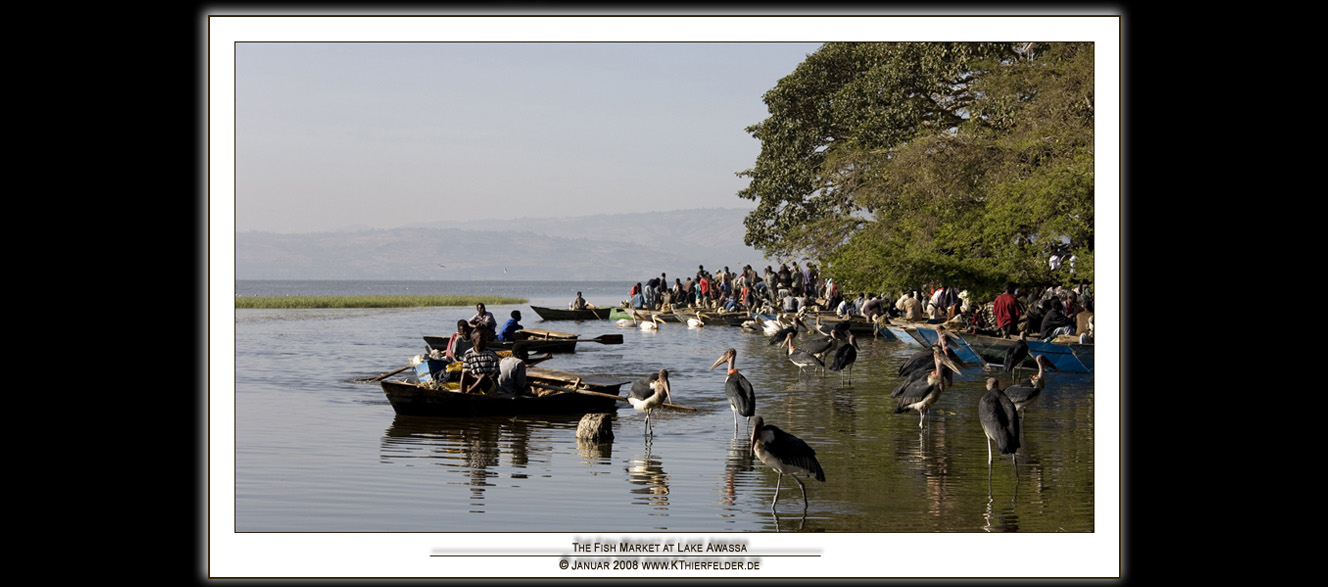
317, 452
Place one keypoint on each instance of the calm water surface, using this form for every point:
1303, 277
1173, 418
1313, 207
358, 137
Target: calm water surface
317, 452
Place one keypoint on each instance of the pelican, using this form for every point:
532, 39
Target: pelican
800, 358
741, 397
1023, 394
648, 393
625, 323
919, 394
653, 324
999, 422
845, 357
697, 321
785, 453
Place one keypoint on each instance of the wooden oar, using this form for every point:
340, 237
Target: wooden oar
383, 376
588, 392
604, 339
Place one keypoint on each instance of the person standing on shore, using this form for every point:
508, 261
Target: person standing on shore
1007, 311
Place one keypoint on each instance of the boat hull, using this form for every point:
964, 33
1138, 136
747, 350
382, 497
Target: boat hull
411, 399
561, 314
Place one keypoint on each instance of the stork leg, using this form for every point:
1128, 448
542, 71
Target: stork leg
804, 492
735, 420
776, 500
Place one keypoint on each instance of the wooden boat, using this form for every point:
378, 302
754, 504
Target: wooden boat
644, 315
561, 314
556, 392
1066, 357
538, 340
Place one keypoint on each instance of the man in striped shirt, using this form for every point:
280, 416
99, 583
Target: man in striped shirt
479, 369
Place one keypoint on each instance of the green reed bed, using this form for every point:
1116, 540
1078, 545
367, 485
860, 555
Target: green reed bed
289, 302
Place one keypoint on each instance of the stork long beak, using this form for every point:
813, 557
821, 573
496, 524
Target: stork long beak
1047, 363
949, 363
722, 359
664, 380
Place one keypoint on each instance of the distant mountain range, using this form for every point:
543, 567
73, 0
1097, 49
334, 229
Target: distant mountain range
632, 246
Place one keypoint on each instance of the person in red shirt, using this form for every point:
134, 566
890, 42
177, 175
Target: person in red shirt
1007, 312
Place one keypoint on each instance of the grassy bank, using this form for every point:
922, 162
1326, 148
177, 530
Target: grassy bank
286, 302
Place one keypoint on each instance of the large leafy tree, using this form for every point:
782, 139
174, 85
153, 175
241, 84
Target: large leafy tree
896, 164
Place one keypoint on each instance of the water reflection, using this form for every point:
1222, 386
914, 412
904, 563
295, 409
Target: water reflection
1006, 520
739, 460
472, 447
648, 472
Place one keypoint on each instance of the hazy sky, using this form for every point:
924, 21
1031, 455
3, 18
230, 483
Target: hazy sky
333, 135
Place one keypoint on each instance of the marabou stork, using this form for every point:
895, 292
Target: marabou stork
1023, 394
1015, 355
741, 397
1000, 422
785, 453
648, 393
802, 358
845, 357
919, 394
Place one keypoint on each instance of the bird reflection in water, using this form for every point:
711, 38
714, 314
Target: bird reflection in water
739, 460
1004, 521
802, 520
648, 472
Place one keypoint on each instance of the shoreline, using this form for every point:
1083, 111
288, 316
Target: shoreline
386, 301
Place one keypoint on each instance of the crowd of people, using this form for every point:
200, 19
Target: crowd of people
788, 288
1046, 313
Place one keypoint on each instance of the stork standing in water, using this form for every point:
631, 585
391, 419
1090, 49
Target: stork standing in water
800, 358
921, 393
741, 396
1023, 394
785, 453
1015, 355
1000, 422
648, 393
845, 357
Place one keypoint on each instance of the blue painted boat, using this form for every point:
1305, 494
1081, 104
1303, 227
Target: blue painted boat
928, 337
1067, 358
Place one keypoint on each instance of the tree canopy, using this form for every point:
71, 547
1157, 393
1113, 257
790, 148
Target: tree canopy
899, 164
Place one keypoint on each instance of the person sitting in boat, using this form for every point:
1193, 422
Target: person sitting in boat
872, 307
484, 322
1054, 320
512, 372
479, 369
508, 333
460, 341
579, 303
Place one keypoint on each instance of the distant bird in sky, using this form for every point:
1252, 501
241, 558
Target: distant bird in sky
443, 266
504, 271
